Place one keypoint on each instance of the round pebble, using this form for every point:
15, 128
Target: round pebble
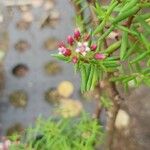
65, 89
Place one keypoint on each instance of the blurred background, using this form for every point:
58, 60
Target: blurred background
32, 82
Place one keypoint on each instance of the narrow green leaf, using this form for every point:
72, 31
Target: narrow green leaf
89, 80
111, 8
109, 11
61, 57
146, 70
126, 14
120, 78
145, 42
130, 51
129, 5
128, 79
125, 29
144, 24
95, 78
98, 9
79, 22
112, 47
100, 27
140, 57
124, 45
78, 1
83, 78
106, 33
148, 63
143, 16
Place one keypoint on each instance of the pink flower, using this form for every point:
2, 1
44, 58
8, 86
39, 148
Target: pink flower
5, 144
77, 34
64, 51
82, 48
99, 56
67, 52
93, 47
61, 50
70, 40
75, 59
61, 44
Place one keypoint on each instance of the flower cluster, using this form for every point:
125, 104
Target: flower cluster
79, 45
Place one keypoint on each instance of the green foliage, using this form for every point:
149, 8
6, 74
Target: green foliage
129, 55
92, 72
65, 134
133, 51
124, 45
61, 57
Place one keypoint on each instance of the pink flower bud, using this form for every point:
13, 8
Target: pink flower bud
86, 37
77, 34
67, 52
93, 47
61, 44
70, 40
99, 56
61, 50
74, 59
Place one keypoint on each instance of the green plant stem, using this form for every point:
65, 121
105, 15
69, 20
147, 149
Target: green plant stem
94, 19
79, 12
78, 8
95, 22
116, 100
